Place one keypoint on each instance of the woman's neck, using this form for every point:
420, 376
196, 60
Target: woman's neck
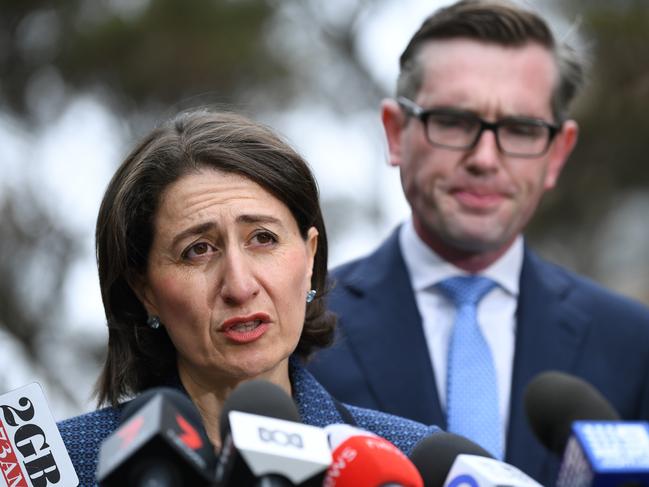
210, 394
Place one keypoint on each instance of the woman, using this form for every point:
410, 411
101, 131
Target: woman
212, 257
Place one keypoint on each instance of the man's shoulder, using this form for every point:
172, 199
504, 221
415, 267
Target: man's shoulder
371, 269
348, 268
585, 291
386, 249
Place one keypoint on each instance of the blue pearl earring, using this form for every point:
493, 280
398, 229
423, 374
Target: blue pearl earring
310, 296
153, 322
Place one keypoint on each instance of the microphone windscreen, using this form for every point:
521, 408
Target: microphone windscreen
258, 397
370, 460
554, 400
161, 433
173, 396
434, 455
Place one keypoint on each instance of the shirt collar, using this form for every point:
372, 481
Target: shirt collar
426, 268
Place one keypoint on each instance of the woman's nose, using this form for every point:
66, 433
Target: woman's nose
238, 279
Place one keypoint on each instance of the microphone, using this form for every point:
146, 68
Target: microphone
570, 417
32, 452
479, 471
447, 459
606, 453
434, 455
265, 443
554, 400
161, 442
363, 458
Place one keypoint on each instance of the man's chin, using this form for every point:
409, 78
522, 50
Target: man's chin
465, 240
481, 244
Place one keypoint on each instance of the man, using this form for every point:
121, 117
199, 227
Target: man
479, 132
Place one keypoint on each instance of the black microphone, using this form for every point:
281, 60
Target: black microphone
555, 400
571, 418
434, 455
264, 442
258, 397
161, 442
453, 460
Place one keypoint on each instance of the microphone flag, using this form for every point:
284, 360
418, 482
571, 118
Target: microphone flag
271, 446
156, 432
479, 471
367, 459
606, 453
32, 452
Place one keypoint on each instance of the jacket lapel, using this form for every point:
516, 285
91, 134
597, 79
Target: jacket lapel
390, 343
549, 335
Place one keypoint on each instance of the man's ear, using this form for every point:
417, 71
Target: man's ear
561, 149
394, 121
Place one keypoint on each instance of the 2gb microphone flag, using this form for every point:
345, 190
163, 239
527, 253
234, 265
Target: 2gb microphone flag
32, 453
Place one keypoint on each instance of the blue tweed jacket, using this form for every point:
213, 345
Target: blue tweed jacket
84, 434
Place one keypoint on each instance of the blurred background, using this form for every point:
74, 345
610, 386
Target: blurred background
81, 80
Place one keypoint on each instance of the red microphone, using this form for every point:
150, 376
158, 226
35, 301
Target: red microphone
368, 460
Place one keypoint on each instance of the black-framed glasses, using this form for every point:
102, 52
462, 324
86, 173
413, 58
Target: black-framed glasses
460, 130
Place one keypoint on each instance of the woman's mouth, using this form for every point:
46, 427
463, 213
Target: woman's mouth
245, 330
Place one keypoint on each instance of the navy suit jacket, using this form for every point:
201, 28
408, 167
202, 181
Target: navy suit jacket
380, 358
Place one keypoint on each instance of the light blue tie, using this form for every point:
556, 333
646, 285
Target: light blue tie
471, 384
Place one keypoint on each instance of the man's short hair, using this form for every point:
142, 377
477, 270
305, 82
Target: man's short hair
496, 22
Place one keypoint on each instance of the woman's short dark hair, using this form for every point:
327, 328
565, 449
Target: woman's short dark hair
139, 357
497, 22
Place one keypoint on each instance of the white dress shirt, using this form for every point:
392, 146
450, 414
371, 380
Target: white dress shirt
496, 311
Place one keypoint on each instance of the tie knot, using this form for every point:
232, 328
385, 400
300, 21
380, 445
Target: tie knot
464, 290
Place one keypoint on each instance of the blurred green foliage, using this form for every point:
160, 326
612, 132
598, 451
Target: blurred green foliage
141, 55
610, 160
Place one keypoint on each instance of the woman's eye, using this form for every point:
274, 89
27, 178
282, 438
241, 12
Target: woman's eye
198, 249
264, 238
